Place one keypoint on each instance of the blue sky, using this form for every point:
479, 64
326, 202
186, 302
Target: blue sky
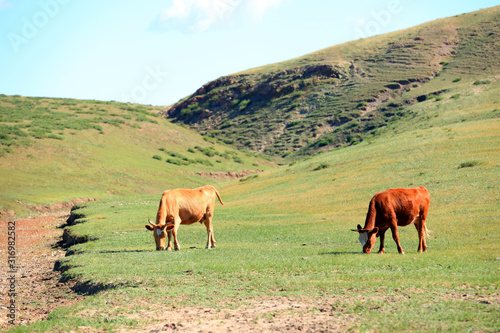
157, 52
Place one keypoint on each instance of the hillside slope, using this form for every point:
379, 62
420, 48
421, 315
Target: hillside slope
53, 150
343, 94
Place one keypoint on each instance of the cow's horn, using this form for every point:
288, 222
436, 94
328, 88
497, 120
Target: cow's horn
154, 225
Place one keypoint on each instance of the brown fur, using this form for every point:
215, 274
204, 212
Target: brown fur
392, 208
184, 206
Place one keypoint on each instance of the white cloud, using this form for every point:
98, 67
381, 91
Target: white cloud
259, 8
179, 10
197, 15
201, 15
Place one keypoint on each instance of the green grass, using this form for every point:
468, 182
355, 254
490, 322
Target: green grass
286, 233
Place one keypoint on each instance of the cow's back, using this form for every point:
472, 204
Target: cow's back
425, 197
192, 204
404, 204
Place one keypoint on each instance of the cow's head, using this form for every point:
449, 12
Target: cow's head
160, 233
367, 238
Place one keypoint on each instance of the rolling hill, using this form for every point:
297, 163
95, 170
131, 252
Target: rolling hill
54, 150
347, 93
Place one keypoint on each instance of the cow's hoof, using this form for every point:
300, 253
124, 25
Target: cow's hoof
177, 248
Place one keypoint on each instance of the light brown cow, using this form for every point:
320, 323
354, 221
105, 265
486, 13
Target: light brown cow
392, 208
184, 206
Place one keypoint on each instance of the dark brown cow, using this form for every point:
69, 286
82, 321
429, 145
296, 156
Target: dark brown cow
184, 206
393, 208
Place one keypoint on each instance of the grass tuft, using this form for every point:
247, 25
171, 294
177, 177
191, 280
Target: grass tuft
468, 164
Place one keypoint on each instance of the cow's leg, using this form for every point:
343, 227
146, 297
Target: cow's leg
420, 225
382, 237
169, 245
177, 223
395, 236
210, 231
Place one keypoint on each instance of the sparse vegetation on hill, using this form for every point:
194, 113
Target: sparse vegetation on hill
53, 150
23, 119
344, 94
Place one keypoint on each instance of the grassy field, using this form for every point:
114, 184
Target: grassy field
285, 233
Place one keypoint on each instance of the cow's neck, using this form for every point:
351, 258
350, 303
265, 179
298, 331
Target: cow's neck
369, 225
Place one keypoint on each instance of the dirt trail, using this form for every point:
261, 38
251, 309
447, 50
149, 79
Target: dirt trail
37, 287
271, 314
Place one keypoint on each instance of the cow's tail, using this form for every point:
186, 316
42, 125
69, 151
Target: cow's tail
428, 232
371, 215
218, 196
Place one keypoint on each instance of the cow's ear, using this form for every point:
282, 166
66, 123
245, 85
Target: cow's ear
374, 231
149, 227
169, 227
359, 229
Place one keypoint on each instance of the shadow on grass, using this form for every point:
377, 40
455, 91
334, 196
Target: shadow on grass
338, 253
142, 251
126, 251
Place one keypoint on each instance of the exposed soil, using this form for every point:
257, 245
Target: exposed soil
224, 174
281, 314
37, 286
271, 314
